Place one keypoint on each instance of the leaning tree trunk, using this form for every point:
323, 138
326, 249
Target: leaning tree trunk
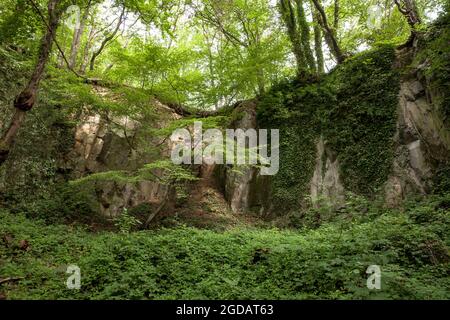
77, 37
318, 45
409, 9
106, 40
329, 33
288, 15
27, 98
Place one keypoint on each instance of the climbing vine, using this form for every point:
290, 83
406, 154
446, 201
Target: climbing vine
353, 108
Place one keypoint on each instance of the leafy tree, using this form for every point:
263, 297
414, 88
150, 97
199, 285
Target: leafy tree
26, 99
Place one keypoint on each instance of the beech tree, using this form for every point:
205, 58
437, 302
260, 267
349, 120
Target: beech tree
26, 99
330, 34
408, 9
107, 39
78, 32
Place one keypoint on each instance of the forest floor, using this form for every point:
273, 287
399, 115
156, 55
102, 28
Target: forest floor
329, 262
207, 208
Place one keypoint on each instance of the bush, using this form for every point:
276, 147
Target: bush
329, 262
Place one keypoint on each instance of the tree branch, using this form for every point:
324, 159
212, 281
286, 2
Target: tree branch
107, 39
329, 32
11, 279
53, 36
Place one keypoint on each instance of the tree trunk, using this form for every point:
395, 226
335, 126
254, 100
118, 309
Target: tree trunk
329, 33
106, 40
305, 36
318, 45
87, 47
337, 9
288, 15
27, 98
409, 9
77, 37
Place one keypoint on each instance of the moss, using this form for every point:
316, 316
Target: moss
32, 168
353, 108
236, 116
361, 124
260, 193
291, 108
435, 50
442, 179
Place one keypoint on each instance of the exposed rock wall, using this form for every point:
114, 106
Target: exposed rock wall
116, 143
103, 143
421, 143
114, 197
236, 183
422, 140
326, 183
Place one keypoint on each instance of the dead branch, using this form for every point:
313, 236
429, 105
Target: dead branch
11, 279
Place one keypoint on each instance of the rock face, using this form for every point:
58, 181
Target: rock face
102, 145
326, 183
105, 143
114, 197
236, 183
244, 188
422, 140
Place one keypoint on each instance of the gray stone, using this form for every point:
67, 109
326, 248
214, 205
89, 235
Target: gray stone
326, 183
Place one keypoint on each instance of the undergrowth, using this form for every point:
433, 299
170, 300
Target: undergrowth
330, 262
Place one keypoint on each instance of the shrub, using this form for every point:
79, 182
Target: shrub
329, 262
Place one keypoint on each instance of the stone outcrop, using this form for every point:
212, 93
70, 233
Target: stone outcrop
114, 197
105, 143
236, 182
326, 182
244, 188
422, 140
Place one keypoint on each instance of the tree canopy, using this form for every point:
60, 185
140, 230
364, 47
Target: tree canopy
208, 53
